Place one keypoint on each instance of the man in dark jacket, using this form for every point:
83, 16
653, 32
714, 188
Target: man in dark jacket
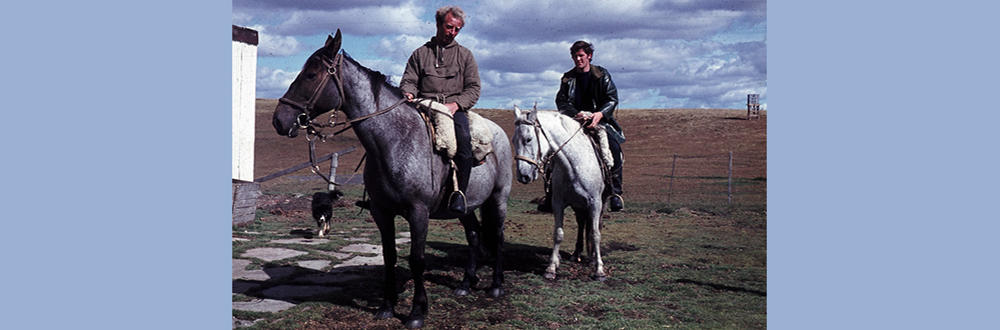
444, 71
589, 88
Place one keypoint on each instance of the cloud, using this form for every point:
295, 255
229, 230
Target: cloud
539, 20
276, 46
668, 54
363, 21
272, 83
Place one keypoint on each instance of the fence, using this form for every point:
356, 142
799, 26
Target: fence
721, 178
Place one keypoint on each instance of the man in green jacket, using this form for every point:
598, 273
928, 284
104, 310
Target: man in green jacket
589, 88
444, 71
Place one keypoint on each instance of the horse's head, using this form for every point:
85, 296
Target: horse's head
314, 91
530, 144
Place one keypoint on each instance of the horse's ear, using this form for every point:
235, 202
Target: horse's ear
333, 42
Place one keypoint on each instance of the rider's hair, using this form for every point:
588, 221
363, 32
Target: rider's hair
454, 10
586, 46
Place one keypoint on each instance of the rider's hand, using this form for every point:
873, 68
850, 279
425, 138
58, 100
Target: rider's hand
409, 97
595, 119
452, 107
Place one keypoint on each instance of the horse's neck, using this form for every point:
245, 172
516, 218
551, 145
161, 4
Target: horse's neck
384, 131
566, 144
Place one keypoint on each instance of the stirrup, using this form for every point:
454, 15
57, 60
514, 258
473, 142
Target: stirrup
460, 208
616, 208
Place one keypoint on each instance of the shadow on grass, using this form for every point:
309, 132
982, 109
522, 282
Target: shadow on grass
722, 287
361, 287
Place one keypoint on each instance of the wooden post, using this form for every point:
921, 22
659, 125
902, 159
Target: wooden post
753, 106
333, 172
730, 177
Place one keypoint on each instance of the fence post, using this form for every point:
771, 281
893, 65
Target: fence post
670, 189
333, 172
730, 177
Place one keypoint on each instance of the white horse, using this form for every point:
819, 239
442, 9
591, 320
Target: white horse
548, 139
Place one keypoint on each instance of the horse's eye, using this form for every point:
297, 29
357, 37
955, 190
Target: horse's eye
310, 75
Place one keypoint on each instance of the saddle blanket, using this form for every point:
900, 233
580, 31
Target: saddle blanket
601, 136
444, 130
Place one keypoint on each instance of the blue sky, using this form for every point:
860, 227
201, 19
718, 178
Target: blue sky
661, 54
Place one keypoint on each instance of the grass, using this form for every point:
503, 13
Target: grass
678, 266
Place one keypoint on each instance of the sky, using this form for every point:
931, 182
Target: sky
660, 54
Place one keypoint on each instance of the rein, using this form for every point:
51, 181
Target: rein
541, 163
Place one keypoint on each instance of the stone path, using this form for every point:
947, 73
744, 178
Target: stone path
283, 287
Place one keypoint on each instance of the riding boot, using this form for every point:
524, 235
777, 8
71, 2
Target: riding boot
616, 203
463, 162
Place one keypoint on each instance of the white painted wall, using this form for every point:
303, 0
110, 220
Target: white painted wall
244, 100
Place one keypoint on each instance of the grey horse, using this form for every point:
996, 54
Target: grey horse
403, 175
547, 139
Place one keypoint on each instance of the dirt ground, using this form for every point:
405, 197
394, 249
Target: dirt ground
693, 144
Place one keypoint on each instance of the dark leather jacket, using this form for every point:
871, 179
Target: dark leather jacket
603, 97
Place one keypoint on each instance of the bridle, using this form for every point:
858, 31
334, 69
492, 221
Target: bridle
312, 128
539, 162
332, 72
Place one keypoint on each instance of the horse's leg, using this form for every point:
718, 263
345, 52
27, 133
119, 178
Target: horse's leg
390, 297
472, 233
589, 229
493, 214
418, 240
557, 237
594, 231
582, 218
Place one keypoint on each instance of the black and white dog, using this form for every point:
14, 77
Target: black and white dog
322, 209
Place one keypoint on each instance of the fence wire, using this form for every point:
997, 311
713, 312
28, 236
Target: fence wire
718, 178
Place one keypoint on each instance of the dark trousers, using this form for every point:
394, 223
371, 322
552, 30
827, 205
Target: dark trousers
616, 169
463, 156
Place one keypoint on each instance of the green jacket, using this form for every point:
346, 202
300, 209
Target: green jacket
601, 95
447, 73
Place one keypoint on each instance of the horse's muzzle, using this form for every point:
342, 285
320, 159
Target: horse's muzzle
290, 131
525, 179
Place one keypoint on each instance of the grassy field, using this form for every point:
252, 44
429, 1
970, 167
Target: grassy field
696, 262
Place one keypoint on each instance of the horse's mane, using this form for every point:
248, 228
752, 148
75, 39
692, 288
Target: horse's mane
378, 79
375, 77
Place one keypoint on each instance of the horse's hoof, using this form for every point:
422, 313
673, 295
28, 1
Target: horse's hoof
385, 314
462, 292
601, 278
414, 324
549, 276
496, 292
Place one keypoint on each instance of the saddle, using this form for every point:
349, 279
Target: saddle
442, 126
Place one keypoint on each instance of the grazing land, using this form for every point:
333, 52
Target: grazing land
688, 252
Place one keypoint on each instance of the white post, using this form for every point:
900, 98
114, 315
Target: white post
333, 172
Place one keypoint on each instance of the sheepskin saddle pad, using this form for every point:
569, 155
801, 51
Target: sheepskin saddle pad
600, 135
443, 125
